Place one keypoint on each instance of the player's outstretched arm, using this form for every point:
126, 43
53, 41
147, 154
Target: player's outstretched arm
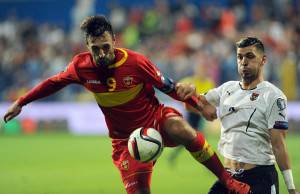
188, 91
12, 111
209, 111
44, 89
282, 158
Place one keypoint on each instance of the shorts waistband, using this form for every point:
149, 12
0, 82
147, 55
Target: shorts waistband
260, 169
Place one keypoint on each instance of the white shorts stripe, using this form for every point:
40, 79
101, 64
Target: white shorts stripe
273, 189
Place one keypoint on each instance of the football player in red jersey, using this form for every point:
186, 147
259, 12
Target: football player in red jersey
123, 82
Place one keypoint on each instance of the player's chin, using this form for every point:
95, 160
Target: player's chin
106, 61
248, 77
101, 63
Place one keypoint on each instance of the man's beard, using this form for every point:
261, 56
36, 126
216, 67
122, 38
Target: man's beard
102, 62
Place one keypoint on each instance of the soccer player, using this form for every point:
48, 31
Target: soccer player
253, 115
122, 82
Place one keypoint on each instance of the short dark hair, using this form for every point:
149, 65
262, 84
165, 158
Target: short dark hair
249, 41
96, 26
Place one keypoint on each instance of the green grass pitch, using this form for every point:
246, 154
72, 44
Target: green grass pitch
65, 164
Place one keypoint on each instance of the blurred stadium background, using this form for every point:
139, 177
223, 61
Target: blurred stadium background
39, 152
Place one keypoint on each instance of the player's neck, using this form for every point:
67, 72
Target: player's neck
251, 85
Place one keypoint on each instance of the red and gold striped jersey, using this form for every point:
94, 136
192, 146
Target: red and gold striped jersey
124, 90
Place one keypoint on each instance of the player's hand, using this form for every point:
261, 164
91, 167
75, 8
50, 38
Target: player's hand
185, 90
12, 111
293, 191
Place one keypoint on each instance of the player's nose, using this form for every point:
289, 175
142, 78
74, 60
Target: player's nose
101, 53
244, 62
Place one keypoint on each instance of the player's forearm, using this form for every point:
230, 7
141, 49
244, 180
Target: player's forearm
44, 89
193, 101
284, 165
281, 155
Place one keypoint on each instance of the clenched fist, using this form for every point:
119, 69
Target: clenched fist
12, 111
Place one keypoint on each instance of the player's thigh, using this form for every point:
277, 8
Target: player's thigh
263, 179
265, 185
178, 129
136, 176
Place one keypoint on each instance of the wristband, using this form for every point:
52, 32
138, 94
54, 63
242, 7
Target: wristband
288, 179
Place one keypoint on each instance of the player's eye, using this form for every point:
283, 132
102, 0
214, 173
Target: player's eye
250, 55
95, 49
106, 47
240, 57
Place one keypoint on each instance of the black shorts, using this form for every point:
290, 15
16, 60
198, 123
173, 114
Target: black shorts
262, 180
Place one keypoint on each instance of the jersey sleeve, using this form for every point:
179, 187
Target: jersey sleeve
277, 114
213, 96
69, 75
149, 73
52, 84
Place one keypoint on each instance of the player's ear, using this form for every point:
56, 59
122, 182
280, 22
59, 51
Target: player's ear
264, 60
114, 39
86, 40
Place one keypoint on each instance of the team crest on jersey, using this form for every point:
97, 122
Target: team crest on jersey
228, 93
254, 96
128, 80
281, 104
125, 164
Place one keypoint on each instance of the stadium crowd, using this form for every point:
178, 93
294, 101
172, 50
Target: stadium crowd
178, 37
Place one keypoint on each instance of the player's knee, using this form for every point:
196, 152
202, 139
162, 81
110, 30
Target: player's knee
180, 131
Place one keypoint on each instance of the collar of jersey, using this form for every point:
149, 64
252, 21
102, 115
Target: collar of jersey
248, 89
121, 61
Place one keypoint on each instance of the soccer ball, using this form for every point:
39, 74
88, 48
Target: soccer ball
145, 144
